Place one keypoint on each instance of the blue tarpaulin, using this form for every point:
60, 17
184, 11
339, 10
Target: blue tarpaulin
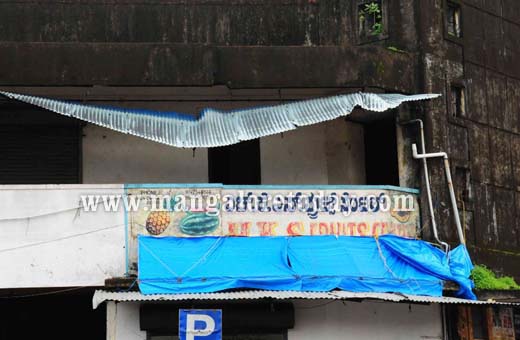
306, 263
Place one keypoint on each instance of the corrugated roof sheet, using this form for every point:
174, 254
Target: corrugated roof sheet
217, 128
101, 296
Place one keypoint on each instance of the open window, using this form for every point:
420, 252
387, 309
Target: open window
457, 101
453, 20
371, 20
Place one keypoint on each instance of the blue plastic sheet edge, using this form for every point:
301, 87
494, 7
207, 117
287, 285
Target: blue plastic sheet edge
307, 263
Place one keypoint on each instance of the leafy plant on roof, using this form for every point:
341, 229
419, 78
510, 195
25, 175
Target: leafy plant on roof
484, 278
372, 11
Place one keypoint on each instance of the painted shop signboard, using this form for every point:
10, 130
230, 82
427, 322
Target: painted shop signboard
249, 211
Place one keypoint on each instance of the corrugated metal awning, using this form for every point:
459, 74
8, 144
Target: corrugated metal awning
101, 296
218, 128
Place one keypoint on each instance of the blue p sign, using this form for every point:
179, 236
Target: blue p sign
200, 324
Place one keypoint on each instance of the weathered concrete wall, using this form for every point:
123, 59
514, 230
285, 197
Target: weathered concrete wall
130, 64
314, 319
233, 22
242, 43
483, 143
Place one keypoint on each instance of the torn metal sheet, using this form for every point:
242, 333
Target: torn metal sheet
214, 128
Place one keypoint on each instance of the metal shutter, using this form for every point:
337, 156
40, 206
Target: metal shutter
40, 154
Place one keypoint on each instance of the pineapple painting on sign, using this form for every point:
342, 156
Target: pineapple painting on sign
161, 211
174, 211
188, 223
170, 210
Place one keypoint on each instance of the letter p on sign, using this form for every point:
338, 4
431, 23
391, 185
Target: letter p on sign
200, 324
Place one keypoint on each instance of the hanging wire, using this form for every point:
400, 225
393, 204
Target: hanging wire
54, 292
59, 239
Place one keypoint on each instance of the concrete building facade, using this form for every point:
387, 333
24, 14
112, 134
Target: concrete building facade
184, 56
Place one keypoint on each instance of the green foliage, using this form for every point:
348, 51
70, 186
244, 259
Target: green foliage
377, 28
395, 49
372, 9
484, 278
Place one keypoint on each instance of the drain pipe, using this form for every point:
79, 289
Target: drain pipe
447, 172
427, 182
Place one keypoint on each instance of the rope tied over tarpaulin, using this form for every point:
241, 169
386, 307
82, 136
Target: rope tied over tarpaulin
305, 263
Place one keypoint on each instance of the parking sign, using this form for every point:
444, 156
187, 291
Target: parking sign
200, 324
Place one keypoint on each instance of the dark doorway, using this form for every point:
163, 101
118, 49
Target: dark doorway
235, 164
381, 153
57, 316
240, 320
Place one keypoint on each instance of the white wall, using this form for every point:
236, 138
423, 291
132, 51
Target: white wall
47, 241
123, 321
368, 320
114, 157
345, 152
325, 153
321, 319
